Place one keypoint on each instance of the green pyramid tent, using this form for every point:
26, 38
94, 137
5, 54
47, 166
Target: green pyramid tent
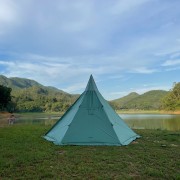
91, 121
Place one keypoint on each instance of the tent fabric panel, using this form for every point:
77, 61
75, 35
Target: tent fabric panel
132, 138
78, 101
60, 128
124, 133
90, 129
57, 136
91, 101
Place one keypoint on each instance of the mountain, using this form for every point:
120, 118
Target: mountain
31, 96
150, 100
17, 83
126, 99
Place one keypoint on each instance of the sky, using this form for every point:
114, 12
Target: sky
127, 45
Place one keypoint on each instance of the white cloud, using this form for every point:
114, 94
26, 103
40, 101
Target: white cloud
74, 88
124, 6
170, 49
116, 77
51, 73
8, 11
175, 55
173, 62
61, 43
5, 63
9, 16
173, 69
144, 70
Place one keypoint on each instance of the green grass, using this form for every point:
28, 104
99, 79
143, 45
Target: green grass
24, 154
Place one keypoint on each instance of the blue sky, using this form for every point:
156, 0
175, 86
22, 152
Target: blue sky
128, 45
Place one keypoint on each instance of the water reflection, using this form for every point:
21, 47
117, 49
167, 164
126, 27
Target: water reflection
152, 121
136, 121
47, 120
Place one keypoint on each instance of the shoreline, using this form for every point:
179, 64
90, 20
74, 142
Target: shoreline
117, 111
147, 112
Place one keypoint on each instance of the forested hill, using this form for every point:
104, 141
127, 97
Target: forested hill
150, 100
125, 99
31, 96
17, 83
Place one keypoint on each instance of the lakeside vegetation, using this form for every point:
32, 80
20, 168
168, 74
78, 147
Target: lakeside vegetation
30, 96
5, 97
26, 155
155, 100
151, 100
172, 100
134, 111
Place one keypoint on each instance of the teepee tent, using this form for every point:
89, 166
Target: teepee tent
90, 121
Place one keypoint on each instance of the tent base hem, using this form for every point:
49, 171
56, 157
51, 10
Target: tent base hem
92, 143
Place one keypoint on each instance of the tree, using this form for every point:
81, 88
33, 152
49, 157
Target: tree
5, 97
172, 100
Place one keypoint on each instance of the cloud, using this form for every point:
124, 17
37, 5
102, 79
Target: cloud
5, 63
48, 72
173, 62
125, 6
116, 76
75, 88
144, 70
9, 16
85, 28
7, 13
175, 55
61, 43
173, 69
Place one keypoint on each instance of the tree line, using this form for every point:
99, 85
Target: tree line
5, 97
35, 99
172, 100
38, 99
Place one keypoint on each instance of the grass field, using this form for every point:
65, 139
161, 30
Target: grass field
24, 154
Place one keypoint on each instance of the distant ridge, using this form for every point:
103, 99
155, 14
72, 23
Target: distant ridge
23, 83
16, 82
126, 98
150, 100
31, 96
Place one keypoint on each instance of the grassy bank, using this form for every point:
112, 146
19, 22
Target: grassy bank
26, 116
131, 111
24, 154
4, 115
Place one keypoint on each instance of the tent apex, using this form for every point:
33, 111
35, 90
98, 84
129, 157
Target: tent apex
91, 86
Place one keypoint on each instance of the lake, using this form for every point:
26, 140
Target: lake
152, 121
135, 121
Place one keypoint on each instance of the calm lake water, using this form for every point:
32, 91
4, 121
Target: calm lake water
135, 121
152, 121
